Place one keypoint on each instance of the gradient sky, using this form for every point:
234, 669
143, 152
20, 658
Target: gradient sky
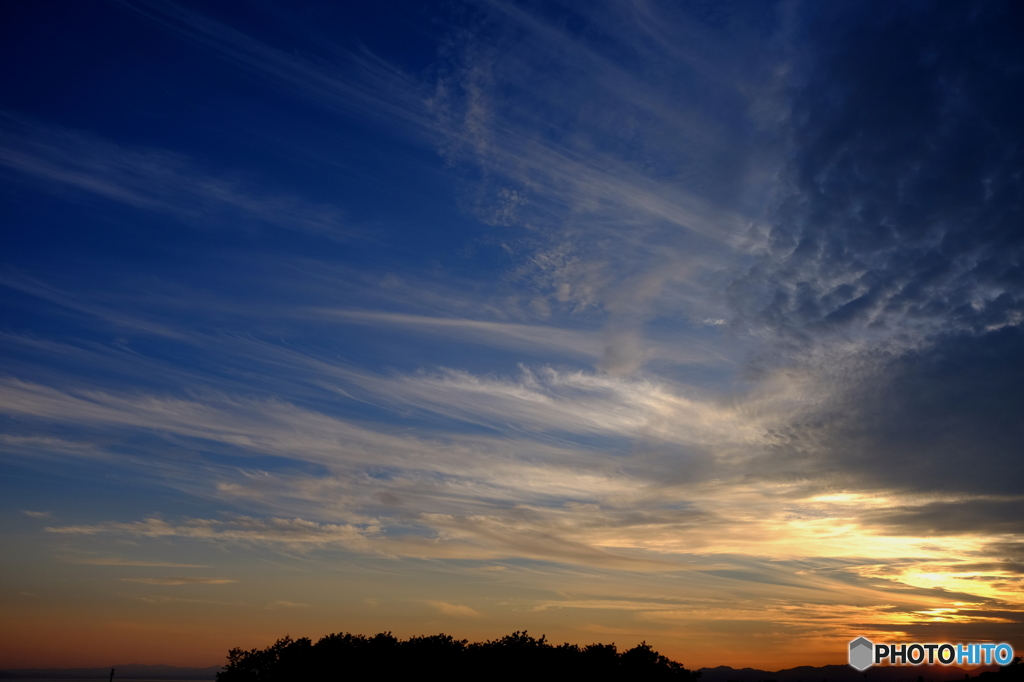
697, 323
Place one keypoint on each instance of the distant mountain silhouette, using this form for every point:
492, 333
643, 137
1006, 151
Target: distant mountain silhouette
134, 671
843, 673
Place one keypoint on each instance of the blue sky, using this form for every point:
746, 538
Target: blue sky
698, 323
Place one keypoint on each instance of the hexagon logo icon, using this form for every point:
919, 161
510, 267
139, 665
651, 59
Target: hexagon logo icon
861, 650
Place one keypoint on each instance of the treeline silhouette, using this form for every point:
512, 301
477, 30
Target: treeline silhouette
1009, 673
383, 656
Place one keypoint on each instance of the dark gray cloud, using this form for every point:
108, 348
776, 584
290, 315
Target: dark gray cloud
900, 227
992, 566
959, 632
1010, 551
952, 518
905, 195
944, 417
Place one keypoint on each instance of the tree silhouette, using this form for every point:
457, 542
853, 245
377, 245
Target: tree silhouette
516, 656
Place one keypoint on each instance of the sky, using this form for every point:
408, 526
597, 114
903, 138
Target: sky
698, 323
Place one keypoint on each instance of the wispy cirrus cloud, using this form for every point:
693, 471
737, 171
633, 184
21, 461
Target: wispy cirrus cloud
492, 334
344, 82
291, 532
118, 561
571, 500
617, 221
179, 580
635, 198
156, 180
523, 337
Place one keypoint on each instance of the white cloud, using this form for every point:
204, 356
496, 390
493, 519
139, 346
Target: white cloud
457, 610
